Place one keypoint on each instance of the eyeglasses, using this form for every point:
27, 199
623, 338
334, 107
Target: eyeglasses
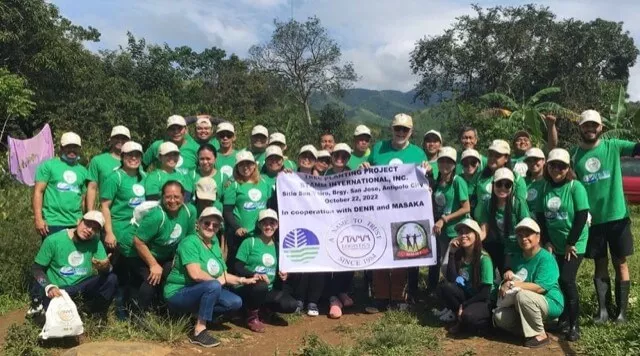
401, 129
225, 134
503, 184
560, 166
212, 224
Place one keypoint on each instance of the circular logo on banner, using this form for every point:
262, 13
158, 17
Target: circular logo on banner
213, 268
180, 161
440, 199
300, 245
411, 237
69, 177
268, 260
226, 171
254, 194
395, 162
356, 243
532, 194
553, 204
592, 165
75, 258
138, 189
177, 231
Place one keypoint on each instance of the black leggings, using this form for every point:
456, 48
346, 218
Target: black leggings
258, 295
139, 278
307, 287
339, 282
442, 244
568, 273
475, 315
496, 251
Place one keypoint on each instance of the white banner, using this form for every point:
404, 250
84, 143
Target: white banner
374, 218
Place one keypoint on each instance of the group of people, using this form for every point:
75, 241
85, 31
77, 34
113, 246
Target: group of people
192, 223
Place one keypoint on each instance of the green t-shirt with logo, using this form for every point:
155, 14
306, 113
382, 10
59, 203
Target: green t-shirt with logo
248, 199
519, 166
541, 269
156, 179
599, 171
460, 168
162, 233
560, 205
225, 163
383, 154
484, 186
356, 161
519, 211
217, 177
259, 257
62, 202
188, 155
68, 262
449, 199
486, 274
534, 192
193, 250
101, 166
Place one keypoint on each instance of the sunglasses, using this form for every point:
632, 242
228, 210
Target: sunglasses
225, 134
401, 129
325, 160
212, 224
560, 166
470, 163
503, 184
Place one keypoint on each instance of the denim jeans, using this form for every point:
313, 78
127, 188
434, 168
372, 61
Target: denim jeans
205, 298
98, 291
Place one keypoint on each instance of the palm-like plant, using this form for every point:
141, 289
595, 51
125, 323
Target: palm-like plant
619, 124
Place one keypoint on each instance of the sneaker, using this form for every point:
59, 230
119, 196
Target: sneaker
312, 309
448, 316
299, 306
256, 325
534, 343
35, 310
335, 308
440, 312
204, 339
345, 300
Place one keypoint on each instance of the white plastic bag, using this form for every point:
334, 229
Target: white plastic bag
62, 318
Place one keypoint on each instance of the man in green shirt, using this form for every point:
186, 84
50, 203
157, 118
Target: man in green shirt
280, 140
521, 144
259, 139
596, 163
204, 132
226, 159
431, 144
176, 133
361, 151
59, 192
327, 141
102, 165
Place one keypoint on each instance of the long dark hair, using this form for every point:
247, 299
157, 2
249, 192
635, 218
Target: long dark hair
475, 260
508, 208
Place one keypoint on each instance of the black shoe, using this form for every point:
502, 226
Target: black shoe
603, 292
573, 334
204, 339
534, 343
276, 320
622, 300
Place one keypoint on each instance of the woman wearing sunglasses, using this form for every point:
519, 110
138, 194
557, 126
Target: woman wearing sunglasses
498, 217
323, 161
471, 160
563, 211
534, 158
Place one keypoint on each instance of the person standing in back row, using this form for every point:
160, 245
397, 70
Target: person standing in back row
361, 144
177, 134
469, 141
431, 144
596, 163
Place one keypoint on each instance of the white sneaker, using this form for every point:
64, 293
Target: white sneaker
448, 317
437, 312
34, 310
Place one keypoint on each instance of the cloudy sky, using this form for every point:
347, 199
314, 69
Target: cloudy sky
376, 35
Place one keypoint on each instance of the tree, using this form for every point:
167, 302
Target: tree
306, 58
522, 50
15, 98
619, 123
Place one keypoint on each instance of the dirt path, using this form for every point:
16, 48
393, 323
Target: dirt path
16, 316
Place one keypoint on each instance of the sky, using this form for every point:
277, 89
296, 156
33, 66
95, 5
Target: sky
376, 35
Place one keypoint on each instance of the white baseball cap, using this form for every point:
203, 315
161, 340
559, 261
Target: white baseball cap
471, 224
534, 153
402, 120
435, 133
470, 152
95, 216
176, 120
521, 133
277, 137
323, 154
167, 147
502, 174
244, 155
206, 189
203, 122
70, 138
131, 146
362, 130
120, 130
273, 150
210, 211
310, 149
267, 214
559, 154
590, 116
500, 146
448, 152
342, 147
259, 130
528, 223
225, 126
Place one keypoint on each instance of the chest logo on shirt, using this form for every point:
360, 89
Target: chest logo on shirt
177, 231
465, 274
395, 162
521, 169
554, 204
75, 258
213, 267
532, 194
522, 274
180, 161
268, 260
226, 171
254, 194
138, 190
440, 198
489, 188
69, 177
592, 165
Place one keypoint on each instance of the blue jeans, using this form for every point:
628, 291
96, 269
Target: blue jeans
205, 298
98, 291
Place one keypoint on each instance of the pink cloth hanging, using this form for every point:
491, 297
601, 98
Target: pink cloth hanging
26, 155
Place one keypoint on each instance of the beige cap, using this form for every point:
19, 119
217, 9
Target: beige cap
470, 152
502, 174
210, 211
590, 116
244, 155
534, 153
470, 223
362, 130
310, 149
435, 133
402, 120
528, 223
131, 146
225, 126
521, 133
259, 130
120, 130
176, 120
277, 137
342, 147
206, 188
500, 146
94, 215
167, 147
70, 138
559, 154
448, 152
323, 154
204, 122
273, 150
267, 214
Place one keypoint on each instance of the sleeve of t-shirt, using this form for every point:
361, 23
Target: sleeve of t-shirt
100, 253
45, 254
461, 189
85, 174
152, 185
486, 270
150, 154
93, 171
150, 225
188, 251
43, 172
244, 251
624, 147
229, 194
522, 209
580, 200
191, 229
372, 155
521, 188
547, 273
109, 187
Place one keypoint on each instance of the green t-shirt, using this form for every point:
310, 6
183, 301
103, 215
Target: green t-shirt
68, 262
560, 205
534, 192
599, 171
486, 274
101, 166
162, 233
484, 185
62, 202
260, 158
225, 163
541, 269
213, 141
460, 168
193, 250
449, 199
519, 211
188, 155
356, 161
471, 188
248, 199
270, 178
519, 166
259, 257
435, 171
289, 164
156, 179
383, 154
217, 177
